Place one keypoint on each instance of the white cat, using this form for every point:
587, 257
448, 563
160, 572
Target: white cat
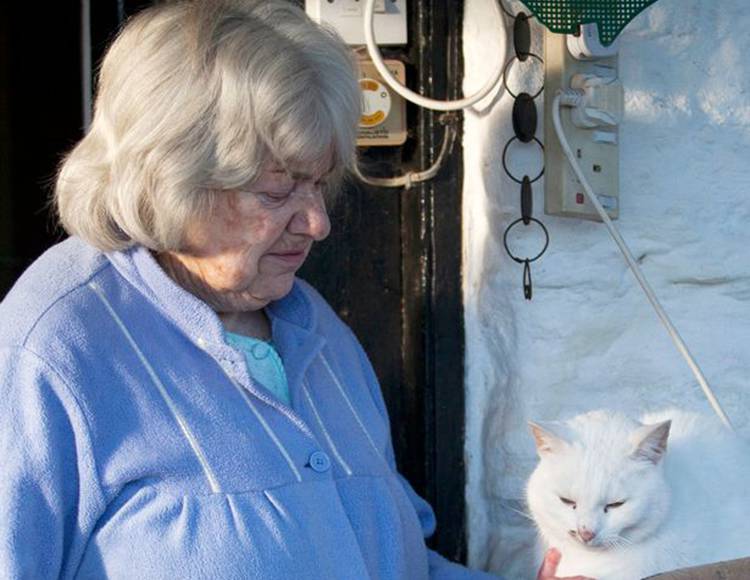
623, 499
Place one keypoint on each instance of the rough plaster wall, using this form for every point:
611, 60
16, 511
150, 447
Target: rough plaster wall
589, 339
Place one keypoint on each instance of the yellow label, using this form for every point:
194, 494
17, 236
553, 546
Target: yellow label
376, 102
371, 120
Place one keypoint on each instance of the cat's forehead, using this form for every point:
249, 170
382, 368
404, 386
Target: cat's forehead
603, 440
600, 468
596, 459
602, 425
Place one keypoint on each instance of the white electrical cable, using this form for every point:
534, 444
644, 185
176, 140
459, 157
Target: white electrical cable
416, 98
676, 338
409, 179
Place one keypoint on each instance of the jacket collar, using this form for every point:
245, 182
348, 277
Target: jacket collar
294, 335
293, 318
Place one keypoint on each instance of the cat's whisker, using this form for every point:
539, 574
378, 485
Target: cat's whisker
617, 541
519, 512
624, 540
609, 543
627, 542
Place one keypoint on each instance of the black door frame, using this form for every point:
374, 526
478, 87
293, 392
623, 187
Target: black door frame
433, 343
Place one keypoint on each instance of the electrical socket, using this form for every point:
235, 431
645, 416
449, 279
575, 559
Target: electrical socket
596, 149
346, 16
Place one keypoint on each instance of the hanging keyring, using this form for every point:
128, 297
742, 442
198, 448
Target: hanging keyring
506, 69
505, 164
525, 260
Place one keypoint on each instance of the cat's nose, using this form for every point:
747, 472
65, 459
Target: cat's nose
586, 535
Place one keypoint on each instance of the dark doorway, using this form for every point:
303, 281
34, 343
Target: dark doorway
40, 116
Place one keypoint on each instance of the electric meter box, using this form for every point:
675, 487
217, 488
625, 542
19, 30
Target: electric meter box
383, 120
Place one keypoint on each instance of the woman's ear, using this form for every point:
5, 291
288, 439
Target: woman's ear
650, 442
546, 441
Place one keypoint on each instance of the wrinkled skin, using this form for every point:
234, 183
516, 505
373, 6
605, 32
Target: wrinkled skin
246, 252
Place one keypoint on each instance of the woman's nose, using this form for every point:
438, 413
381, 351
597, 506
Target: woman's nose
311, 219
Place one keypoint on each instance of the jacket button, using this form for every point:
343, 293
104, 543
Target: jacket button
319, 461
261, 351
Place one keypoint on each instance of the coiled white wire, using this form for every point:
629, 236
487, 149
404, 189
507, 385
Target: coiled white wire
416, 98
571, 98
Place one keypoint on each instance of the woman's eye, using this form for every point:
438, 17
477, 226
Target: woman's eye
275, 196
568, 502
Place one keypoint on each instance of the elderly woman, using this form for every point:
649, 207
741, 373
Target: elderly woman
174, 403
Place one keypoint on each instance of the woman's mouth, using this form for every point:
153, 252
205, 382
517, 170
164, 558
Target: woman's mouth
290, 258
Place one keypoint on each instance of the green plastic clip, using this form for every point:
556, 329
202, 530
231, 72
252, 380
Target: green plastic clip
566, 16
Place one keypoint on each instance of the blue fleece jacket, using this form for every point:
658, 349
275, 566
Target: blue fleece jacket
134, 444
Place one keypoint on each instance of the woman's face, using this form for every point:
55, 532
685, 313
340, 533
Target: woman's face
246, 252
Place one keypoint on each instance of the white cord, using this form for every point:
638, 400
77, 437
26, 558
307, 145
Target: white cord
409, 179
390, 80
570, 98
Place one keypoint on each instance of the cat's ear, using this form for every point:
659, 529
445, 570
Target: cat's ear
650, 442
546, 441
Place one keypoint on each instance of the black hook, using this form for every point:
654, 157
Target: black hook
527, 280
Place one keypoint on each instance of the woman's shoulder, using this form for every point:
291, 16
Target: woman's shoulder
50, 281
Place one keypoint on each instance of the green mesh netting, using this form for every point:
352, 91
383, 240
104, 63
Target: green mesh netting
565, 16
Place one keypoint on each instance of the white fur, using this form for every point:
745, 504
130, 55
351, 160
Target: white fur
686, 507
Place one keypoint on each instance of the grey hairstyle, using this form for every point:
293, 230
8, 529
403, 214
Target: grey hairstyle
194, 97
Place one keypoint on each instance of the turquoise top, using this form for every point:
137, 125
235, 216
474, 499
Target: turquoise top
263, 364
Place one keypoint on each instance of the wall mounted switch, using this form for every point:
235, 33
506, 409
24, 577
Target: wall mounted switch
347, 17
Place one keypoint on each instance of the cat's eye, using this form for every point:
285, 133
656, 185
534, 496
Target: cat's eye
614, 504
568, 502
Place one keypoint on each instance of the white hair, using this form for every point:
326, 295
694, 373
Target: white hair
194, 97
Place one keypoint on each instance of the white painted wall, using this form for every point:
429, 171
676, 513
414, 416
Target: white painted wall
589, 339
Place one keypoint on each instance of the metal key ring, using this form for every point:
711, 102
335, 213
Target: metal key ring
505, 164
504, 9
539, 255
507, 68
509, 13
